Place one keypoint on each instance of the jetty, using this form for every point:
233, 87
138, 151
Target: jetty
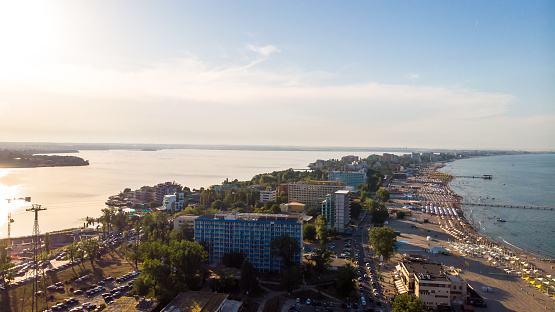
508, 206
485, 176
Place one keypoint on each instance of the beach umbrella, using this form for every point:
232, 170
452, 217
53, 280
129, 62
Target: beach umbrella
532, 282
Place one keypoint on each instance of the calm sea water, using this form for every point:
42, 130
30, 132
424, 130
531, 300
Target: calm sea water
72, 193
517, 180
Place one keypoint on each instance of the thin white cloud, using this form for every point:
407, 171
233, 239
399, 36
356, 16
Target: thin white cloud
413, 76
265, 51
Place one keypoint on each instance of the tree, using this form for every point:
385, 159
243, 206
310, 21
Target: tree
284, 247
401, 214
290, 279
134, 254
356, 208
184, 232
345, 280
6, 274
248, 279
309, 232
379, 215
106, 218
188, 259
120, 221
92, 247
218, 204
47, 243
275, 209
322, 229
383, 195
311, 211
238, 205
383, 240
408, 303
322, 259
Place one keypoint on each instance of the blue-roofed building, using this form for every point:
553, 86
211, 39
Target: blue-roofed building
249, 234
351, 178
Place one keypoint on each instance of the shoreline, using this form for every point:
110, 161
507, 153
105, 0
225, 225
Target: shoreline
479, 236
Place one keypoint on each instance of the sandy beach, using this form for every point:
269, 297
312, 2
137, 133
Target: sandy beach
510, 292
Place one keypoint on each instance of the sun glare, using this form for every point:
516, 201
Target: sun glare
28, 32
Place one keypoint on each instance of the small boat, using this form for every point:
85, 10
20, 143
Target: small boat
501, 220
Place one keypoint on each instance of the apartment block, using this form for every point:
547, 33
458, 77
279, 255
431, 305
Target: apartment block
162, 189
435, 284
336, 210
313, 193
267, 196
250, 234
350, 178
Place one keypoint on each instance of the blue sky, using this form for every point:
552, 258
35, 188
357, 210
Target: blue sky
429, 74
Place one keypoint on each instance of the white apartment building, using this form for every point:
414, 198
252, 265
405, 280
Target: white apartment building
267, 196
177, 199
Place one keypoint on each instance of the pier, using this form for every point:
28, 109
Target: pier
485, 176
508, 206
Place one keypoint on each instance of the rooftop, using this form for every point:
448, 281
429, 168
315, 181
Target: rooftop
314, 182
252, 217
194, 301
131, 304
427, 271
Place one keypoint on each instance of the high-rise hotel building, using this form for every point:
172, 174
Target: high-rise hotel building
249, 234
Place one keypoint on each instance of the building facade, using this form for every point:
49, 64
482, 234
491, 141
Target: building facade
336, 210
267, 196
249, 234
328, 210
350, 178
162, 189
313, 193
435, 284
342, 211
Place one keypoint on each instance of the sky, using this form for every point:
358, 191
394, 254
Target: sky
417, 74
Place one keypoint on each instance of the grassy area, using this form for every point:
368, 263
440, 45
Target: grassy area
274, 305
111, 264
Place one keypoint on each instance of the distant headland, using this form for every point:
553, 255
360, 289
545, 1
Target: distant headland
29, 159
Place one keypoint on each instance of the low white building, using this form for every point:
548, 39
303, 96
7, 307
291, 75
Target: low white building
177, 199
267, 196
190, 219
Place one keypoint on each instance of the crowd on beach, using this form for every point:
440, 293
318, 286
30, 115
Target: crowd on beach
469, 243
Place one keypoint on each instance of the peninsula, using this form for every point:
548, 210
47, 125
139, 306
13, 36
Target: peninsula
27, 159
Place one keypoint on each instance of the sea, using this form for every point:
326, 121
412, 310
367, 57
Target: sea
521, 180
71, 194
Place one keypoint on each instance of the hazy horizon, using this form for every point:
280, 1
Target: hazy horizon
115, 145
442, 75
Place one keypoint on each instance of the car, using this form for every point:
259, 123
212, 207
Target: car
298, 300
308, 301
78, 292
